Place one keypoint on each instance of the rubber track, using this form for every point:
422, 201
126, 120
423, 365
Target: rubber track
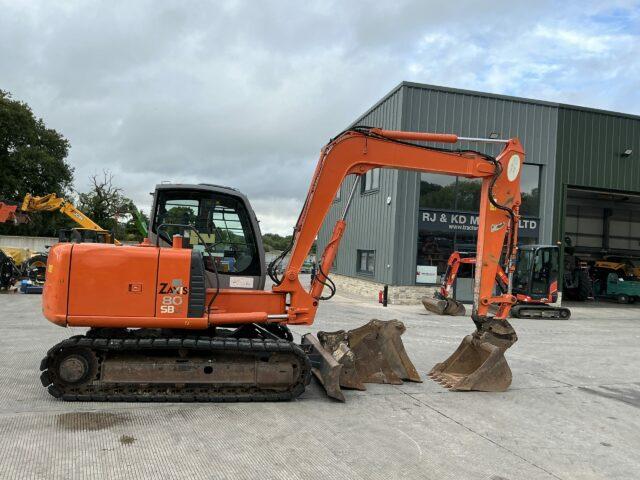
555, 310
115, 392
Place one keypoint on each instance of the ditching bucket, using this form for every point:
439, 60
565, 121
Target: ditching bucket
373, 353
443, 306
477, 364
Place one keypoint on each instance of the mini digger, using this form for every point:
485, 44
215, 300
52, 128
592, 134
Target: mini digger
184, 315
534, 284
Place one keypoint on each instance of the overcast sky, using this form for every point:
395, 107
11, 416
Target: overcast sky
246, 93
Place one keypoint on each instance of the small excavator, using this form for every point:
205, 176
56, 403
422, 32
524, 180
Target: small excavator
534, 284
184, 315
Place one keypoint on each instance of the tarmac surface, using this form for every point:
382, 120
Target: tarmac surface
573, 411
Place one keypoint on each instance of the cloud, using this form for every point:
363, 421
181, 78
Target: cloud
245, 94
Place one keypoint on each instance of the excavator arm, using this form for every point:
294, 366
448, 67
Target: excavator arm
357, 151
479, 362
53, 203
456, 260
441, 303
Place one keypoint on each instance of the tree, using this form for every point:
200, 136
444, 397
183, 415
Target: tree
463, 195
469, 195
105, 203
133, 230
273, 241
530, 202
437, 196
32, 160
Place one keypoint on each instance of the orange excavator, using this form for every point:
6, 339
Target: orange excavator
534, 284
183, 316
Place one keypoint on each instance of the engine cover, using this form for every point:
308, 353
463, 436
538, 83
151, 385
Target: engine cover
103, 285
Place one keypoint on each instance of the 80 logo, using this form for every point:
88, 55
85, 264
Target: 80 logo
169, 303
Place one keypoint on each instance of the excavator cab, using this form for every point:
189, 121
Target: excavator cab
536, 275
224, 230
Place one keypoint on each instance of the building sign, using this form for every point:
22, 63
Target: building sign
442, 221
427, 274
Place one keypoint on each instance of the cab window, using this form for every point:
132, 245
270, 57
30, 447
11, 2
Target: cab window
223, 224
523, 271
545, 268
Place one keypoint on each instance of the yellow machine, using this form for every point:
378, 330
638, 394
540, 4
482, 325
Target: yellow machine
53, 203
622, 266
13, 264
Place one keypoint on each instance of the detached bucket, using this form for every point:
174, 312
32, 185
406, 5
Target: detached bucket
373, 353
476, 365
445, 306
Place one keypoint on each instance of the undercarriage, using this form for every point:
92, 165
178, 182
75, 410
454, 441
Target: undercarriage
247, 364
540, 311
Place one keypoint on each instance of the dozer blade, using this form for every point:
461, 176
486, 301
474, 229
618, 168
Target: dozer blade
477, 364
373, 353
445, 306
324, 367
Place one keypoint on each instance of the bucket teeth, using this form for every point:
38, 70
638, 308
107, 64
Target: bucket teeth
372, 353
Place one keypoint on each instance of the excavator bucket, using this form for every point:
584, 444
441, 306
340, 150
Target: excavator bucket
373, 353
443, 306
477, 364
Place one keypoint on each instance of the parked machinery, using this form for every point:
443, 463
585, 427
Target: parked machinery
9, 271
577, 282
186, 324
141, 223
52, 203
34, 267
615, 287
10, 212
623, 266
534, 284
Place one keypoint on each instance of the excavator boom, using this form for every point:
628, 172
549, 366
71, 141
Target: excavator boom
53, 203
19, 213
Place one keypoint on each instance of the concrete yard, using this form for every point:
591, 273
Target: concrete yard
573, 411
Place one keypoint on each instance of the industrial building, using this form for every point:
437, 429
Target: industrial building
581, 180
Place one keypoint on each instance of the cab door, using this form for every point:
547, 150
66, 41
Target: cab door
545, 272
